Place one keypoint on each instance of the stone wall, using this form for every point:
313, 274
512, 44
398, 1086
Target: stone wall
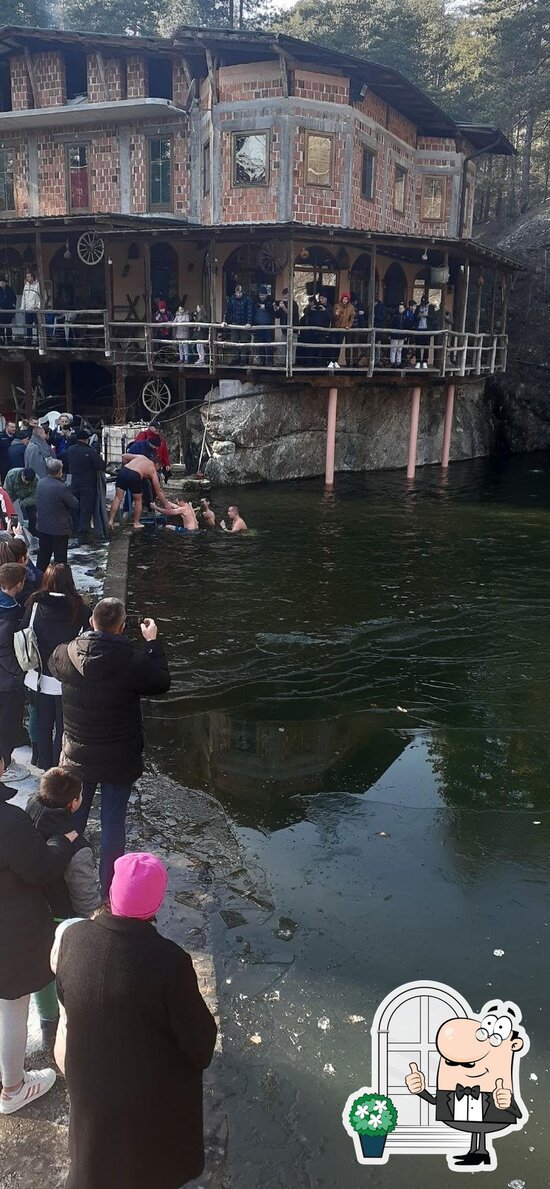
271, 433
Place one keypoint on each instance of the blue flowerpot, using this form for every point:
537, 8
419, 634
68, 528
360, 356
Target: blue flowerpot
373, 1146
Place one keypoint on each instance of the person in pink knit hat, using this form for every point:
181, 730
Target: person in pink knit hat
138, 1037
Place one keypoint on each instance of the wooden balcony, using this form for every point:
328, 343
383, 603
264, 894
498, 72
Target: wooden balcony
215, 349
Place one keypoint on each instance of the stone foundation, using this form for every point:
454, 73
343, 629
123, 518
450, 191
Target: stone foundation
265, 432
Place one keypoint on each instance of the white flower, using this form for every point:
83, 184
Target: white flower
380, 1104
374, 1121
362, 1111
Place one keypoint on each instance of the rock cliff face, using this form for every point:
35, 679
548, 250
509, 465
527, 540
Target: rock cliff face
266, 432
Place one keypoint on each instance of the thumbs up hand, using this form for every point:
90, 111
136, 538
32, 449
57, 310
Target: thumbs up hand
415, 1080
501, 1097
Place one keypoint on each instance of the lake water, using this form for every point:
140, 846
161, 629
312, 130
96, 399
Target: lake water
361, 694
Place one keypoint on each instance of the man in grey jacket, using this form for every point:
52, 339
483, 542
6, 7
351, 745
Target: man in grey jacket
55, 510
38, 451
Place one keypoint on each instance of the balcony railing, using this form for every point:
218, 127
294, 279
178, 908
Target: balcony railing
214, 347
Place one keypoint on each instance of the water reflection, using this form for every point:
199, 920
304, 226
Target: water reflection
261, 767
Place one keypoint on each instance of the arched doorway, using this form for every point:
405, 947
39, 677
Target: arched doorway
395, 286
164, 275
242, 268
12, 267
404, 1029
75, 285
315, 271
359, 279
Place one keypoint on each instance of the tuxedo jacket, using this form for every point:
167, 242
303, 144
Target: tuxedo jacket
443, 1100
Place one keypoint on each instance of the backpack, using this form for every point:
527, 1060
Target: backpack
25, 646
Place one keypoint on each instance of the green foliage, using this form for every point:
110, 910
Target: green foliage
373, 1114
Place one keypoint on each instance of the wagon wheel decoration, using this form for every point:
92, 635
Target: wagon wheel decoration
272, 256
156, 395
90, 247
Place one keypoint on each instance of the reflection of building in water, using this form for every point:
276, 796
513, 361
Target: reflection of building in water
261, 760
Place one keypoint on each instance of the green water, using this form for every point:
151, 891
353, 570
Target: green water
363, 688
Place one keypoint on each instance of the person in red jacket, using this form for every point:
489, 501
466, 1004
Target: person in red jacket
163, 454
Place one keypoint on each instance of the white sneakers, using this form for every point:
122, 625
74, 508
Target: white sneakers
333, 365
36, 1082
419, 365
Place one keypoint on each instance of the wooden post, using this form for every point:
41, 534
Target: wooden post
331, 437
41, 331
148, 348
444, 289
372, 300
68, 387
413, 433
505, 301
480, 284
465, 291
290, 319
27, 384
212, 279
147, 277
493, 301
447, 426
119, 404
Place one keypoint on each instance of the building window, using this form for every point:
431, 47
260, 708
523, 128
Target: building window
367, 174
160, 173
319, 157
76, 75
79, 183
399, 189
7, 189
206, 168
432, 202
160, 78
250, 159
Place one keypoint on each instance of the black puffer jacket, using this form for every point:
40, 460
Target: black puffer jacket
103, 678
11, 675
53, 623
27, 863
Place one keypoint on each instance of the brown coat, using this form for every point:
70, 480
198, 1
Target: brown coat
343, 315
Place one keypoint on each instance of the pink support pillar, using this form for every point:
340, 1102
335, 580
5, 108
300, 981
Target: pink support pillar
413, 434
447, 426
331, 436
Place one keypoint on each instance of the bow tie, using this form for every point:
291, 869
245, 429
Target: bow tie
473, 1091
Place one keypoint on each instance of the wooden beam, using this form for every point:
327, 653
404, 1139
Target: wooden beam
32, 79
493, 302
119, 403
186, 72
480, 284
68, 388
212, 75
27, 384
102, 75
283, 61
464, 302
41, 331
147, 272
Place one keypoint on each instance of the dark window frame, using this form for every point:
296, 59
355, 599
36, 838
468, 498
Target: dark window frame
6, 151
266, 134
400, 172
160, 206
81, 144
373, 155
310, 133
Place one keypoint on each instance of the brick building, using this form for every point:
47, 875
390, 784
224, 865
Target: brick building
133, 169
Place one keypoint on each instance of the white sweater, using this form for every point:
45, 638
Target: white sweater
30, 300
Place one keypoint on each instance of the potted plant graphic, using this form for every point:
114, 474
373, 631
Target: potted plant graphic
369, 1117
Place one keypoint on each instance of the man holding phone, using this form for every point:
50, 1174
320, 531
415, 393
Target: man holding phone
103, 679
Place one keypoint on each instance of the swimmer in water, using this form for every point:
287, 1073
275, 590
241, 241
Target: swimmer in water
238, 525
188, 515
208, 515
